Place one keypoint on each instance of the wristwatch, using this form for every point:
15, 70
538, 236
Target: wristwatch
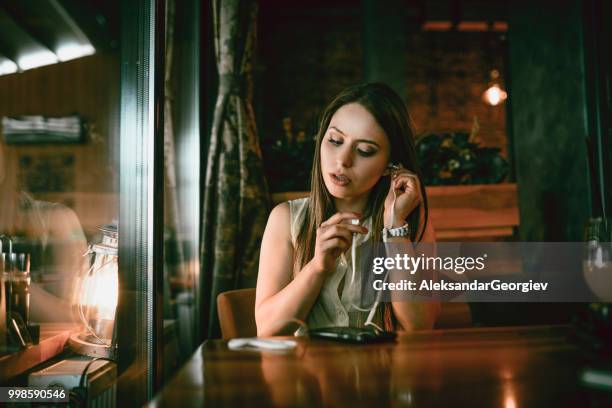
402, 231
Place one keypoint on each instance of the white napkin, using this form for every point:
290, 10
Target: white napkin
263, 344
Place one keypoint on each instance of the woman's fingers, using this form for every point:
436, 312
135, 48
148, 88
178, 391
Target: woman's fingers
335, 243
406, 181
358, 229
337, 231
405, 184
335, 237
405, 173
339, 217
352, 229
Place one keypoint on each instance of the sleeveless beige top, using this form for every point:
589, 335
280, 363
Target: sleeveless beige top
332, 308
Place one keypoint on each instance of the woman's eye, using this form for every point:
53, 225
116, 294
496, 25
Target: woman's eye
366, 153
335, 142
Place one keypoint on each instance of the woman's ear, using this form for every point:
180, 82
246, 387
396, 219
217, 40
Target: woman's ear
391, 167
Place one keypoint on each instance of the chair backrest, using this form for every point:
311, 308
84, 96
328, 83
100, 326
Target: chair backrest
236, 310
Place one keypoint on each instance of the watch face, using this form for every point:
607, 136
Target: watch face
403, 231
399, 232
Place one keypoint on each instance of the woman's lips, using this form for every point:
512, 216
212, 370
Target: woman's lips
339, 179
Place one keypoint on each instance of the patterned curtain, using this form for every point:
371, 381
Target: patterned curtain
172, 222
236, 199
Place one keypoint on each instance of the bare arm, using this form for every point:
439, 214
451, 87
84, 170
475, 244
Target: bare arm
413, 315
279, 298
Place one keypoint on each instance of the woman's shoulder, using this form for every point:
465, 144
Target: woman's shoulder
298, 205
46, 219
287, 216
290, 210
29, 203
278, 228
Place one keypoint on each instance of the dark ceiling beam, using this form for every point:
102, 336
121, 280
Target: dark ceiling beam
6, 46
5, 58
48, 22
8, 53
15, 42
98, 19
33, 20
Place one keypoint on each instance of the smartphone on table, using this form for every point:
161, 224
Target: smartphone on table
353, 334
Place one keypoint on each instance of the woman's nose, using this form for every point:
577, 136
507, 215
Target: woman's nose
345, 157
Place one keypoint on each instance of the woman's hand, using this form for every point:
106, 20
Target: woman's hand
333, 238
408, 192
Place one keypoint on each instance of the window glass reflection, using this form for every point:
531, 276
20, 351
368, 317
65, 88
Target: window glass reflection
58, 175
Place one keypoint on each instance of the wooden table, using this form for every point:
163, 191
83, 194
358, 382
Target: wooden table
488, 367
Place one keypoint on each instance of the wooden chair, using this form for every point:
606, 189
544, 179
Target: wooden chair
236, 310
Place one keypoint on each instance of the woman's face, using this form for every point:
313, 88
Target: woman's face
354, 152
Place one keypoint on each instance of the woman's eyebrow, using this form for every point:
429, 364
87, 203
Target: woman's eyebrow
367, 141
337, 130
358, 140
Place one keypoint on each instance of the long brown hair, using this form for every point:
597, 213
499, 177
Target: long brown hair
392, 115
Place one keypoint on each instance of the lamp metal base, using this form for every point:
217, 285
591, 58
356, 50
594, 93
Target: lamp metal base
81, 346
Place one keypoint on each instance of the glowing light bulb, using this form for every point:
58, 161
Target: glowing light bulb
494, 95
101, 291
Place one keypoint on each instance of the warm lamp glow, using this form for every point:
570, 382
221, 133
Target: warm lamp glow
101, 291
96, 297
509, 395
494, 95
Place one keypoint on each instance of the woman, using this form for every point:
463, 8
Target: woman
303, 271
51, 233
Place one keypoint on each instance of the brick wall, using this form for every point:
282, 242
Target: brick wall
302, 63
447, 72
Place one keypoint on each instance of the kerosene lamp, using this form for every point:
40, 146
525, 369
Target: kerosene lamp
95, 298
